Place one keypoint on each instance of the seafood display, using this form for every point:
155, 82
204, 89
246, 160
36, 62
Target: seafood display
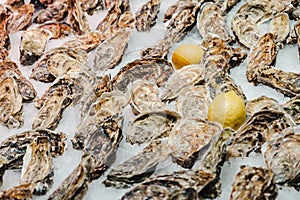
116, 99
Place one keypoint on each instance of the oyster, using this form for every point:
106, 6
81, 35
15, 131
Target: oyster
140, 166
146, 16
75, 185
90, 6
33, 44
56, 11
211, 22
4, 40
22, 192
261, 103
20, 18
192, 102
187, 139
282, 157
185, 77
254, 183
178, 185
280, 26
226, 5
151, 125
37, 166
144, 97
156, 70
107, 109
58, 30
77, 18
292, 107
15, 3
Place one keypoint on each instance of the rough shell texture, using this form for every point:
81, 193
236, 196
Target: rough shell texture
146, 16
58, 30
55, 11
77, 18
20, 18
22, 192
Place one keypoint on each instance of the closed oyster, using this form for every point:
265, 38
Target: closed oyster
211, 22
156, 70
146, 16
282, 157
254, 183
151, 125
22, 192
185, 77
56, 11
187, 139
58, 30
280, 26
20, 18
140, 166
37, 166
33, 44
144, 97
77, 18
4, 40
177, 185
292, 107
75, 186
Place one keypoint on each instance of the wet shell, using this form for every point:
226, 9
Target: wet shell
188, 137
140, 166
185, 77
144, 97
58, 30
37, 166
33, 44
55, 11
280, 26
20, 18
156, 70
151, 125
282, 157
146, 16
254, 183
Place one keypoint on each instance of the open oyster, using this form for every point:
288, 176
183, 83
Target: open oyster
146, 16
20, 18
156, 70
254, 183
151, 125
282, 157
33, 44
37, 166
140, 166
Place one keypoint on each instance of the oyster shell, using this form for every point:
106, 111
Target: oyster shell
20, 18
146, 16
33, 44
77, 18
22, 192
187, 139
4, 40
185, 77
90, 6
226, 5
282, 157
140, 166
254, 183
151, 125
178, 185
56, 11
280, 26
292, 107
211, 22
261, 103
15, 3
37, 166
144, 97
156, 70
75, 186
58, 30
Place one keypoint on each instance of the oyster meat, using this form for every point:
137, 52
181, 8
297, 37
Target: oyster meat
33, 44
37, 166
156, 70
144, 97
140, 166
58, 30
282, 157
151, 125
146, 16
77, 18
20, 18
254, 183
187, 139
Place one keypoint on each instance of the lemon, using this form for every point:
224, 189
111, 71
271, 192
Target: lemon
187, 54
228, 109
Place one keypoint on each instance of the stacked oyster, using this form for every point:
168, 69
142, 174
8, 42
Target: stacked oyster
144, 105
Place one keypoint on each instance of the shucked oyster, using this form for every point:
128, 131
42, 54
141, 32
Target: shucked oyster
33, 43
146, 15
151, 125
282, 157
254, 183
156, 70
37, 166
140, 166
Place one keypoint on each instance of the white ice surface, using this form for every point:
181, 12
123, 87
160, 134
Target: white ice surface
63, 166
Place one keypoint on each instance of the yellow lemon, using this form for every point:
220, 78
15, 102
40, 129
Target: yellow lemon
228, 109
187, 54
